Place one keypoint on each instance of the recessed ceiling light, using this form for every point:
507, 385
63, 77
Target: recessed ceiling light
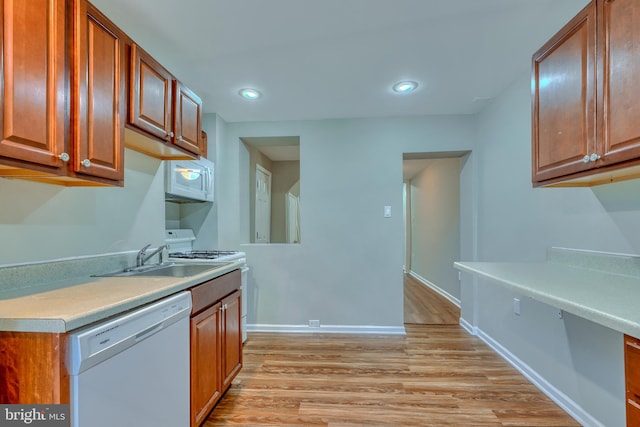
405, 87
249, 94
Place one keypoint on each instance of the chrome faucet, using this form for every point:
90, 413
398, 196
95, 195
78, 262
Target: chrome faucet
144, 257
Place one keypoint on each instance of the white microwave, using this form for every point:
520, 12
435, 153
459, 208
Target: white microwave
189, 180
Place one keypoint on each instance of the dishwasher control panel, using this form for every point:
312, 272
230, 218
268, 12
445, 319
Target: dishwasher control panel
95, 343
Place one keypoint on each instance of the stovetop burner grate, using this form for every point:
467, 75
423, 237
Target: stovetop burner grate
201, 254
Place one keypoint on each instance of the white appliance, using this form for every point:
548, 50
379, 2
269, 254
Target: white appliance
133, 370
180, 248
189, 180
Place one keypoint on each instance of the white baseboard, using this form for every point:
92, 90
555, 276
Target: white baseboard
439, 290
561, 399
328, 329
473, 330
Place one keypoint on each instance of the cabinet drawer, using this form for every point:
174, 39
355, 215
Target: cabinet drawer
214, 290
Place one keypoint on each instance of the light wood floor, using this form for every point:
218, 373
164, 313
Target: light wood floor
426, 307
436, 375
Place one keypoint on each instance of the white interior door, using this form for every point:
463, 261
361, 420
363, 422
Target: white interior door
263, 205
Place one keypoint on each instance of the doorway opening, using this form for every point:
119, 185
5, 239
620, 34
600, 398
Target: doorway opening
431, 194
274, 165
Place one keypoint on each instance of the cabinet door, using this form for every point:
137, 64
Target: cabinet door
205, 353
187, 116
620, 86
150, 95
232, 339
98, 92
32, 90
33, 368
563, 93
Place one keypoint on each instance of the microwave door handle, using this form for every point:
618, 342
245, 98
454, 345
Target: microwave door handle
209, 183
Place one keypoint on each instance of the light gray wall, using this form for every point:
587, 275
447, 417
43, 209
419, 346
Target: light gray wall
435, 224
44, 222
348, 268
516, 222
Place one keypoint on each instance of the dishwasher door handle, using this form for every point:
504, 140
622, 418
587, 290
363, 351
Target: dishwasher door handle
149, 331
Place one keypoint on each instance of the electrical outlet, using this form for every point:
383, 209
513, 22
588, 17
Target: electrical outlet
560, 314
516, 306
314, 323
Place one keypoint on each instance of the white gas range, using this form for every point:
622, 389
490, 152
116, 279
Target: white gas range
180, 248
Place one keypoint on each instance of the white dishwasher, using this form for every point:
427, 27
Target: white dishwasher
133, 370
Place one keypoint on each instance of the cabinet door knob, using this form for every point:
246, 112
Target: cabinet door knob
586, 159
595, 157
86, 163
64, 157
171, 134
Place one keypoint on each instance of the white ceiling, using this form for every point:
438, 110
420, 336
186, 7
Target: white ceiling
319, 59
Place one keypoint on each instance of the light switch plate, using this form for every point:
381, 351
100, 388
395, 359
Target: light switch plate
387, 211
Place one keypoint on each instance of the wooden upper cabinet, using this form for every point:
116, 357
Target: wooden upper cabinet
619, 85
33, 89
563, 94
62, 112
150, 95
585, 91
162, 108
98, 86
187, 109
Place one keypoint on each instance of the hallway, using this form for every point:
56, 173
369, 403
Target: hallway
423, 306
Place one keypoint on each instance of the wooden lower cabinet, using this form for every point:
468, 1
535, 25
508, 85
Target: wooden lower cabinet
231, 338
216, 342
206, 387
632, 379
32, 368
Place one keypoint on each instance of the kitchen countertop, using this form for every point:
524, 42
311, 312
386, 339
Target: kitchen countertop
601, 287
63, 304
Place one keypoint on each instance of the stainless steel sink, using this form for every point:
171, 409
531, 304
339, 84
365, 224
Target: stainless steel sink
166, 270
